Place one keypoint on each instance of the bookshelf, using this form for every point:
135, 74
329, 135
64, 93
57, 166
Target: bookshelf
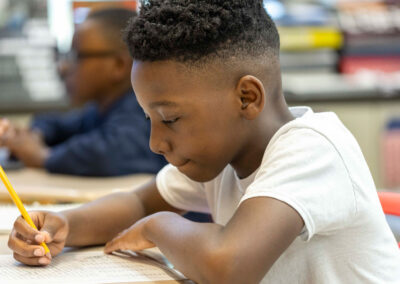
344, 56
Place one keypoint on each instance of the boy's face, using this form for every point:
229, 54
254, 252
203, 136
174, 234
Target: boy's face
86, 72
195, 122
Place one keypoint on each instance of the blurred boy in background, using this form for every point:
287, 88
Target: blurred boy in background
109, 136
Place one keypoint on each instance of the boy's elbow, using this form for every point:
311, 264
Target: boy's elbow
223, 267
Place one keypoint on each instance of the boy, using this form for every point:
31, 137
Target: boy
289, 191
109, 137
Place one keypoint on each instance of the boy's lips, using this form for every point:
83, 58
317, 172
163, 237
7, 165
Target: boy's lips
178, 163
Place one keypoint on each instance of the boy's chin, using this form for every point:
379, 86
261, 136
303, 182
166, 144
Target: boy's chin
76, 100
199, 176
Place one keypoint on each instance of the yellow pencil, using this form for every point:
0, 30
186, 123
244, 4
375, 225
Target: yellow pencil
19, 204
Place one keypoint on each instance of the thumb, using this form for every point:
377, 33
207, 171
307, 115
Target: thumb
47, 233
43, 236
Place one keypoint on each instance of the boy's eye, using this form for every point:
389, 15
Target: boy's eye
170, 121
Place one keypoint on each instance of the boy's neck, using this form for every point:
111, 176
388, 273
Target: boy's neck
253, 152
109, 98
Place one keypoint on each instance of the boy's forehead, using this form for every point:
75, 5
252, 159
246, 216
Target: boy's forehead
161, 77
157, 68
156, 84
89, 34
174, 75
168, 84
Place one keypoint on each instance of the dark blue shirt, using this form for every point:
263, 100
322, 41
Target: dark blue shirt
90, 143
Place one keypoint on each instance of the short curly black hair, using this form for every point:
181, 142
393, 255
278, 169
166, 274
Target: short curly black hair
194, 30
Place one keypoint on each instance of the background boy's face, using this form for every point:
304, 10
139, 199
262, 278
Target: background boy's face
194, 117
87, 70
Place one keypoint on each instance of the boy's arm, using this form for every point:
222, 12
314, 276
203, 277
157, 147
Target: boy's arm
26, 145
99, 221
241, 252
89, 153
56, 128
93, 223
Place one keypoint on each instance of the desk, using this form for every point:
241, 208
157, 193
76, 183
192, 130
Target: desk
5, 250
3, 245
38, 185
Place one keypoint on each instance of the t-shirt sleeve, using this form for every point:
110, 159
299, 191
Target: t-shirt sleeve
180, 191
305, 170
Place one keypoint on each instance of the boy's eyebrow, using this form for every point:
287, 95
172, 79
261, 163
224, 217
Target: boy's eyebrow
162, 103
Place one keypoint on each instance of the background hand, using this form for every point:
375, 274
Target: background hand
25, 241
6, 130
27, 146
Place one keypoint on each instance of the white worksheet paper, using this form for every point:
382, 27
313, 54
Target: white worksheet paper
10, 212
85, 267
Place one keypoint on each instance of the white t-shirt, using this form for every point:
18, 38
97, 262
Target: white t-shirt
314, 164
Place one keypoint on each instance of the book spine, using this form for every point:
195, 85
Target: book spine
301, 38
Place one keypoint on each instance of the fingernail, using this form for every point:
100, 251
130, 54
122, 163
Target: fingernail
46, 235
39, 238
44, 260
38, 252
49, 255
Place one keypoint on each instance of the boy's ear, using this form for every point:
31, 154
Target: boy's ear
251, 94
122, 67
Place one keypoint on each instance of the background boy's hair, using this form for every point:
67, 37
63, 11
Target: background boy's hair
113, 20
197, 30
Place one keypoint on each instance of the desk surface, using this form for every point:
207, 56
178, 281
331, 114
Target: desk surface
5, 250
38, 185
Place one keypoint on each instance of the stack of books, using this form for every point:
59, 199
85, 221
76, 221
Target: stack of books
372, 36
310, 38
309, 48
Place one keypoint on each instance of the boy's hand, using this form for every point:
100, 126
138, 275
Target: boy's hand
132, 238
6, 131
25, 241
4, 125
28, 146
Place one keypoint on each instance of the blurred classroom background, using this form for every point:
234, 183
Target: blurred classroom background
337, 55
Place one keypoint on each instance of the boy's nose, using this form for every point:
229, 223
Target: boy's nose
158, 143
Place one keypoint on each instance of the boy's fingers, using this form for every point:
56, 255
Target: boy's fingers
28, 233
4, 124
44, 236
24, 229
4, 120
118, 243
112, 245
34, 261
22, 248
49, 230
